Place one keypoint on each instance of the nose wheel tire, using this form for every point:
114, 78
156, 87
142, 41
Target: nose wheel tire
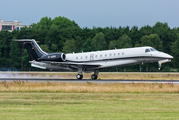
94, 77
79, 77
160, 68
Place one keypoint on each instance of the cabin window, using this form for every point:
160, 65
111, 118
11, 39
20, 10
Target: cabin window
81, 57
96, 56
86, 57
152, 49
105, 55
122, 53
147, 50
118, 53
114, 54
76, 57
110, 54
100, 55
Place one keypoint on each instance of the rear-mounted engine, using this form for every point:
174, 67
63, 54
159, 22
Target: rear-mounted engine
57, 57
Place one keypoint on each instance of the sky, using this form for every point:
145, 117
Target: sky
90, 13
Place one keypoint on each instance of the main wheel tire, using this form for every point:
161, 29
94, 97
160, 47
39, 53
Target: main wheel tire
79, 77
94, 77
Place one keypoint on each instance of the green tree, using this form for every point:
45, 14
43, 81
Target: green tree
4, 48
87, 45
61, 30
69, 46
54, 48
79, 43
152, 40
63, 22
145, 41
156, 42
42, 29
24, 33
45, 48
145, 30
164, 33
111, 34
137, 45
175, 52
135, 35
124, 42
15, 54
98, 42
44, 24
112, 44
87, 33
125, 30
26, 59
49, 45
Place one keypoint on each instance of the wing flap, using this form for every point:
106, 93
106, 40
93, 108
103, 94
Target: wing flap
76, 64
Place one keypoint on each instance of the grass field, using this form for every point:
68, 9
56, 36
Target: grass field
88, 87
55, 100
102, 75
154, 106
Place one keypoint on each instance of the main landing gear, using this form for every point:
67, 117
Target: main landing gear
79, 77
94, 76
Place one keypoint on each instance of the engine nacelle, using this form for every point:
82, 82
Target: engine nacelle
57, 57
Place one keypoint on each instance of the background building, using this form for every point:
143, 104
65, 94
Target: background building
11, 25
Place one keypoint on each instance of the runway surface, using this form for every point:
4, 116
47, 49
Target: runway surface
89, 80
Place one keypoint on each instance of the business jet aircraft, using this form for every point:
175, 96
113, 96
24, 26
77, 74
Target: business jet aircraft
92, 61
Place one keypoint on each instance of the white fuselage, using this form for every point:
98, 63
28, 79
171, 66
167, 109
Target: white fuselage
118, 57
113, 58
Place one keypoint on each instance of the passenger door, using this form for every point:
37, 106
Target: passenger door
92, 57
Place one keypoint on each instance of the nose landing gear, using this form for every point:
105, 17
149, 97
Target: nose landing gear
160, 66
162, 61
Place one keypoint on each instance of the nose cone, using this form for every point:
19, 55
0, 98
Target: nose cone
165, 55
171, 57
168, 56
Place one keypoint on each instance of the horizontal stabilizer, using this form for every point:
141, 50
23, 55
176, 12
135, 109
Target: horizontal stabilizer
37, 66
24, 40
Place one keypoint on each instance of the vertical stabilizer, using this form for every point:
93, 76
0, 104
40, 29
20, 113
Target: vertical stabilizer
33, 49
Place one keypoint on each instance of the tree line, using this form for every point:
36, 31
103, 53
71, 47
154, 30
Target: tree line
63, 35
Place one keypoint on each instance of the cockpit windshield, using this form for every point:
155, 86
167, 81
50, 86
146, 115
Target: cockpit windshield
152, 49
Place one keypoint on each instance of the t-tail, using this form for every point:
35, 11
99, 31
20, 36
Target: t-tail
37, 54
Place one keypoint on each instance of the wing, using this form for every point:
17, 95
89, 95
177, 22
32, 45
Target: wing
84, 65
